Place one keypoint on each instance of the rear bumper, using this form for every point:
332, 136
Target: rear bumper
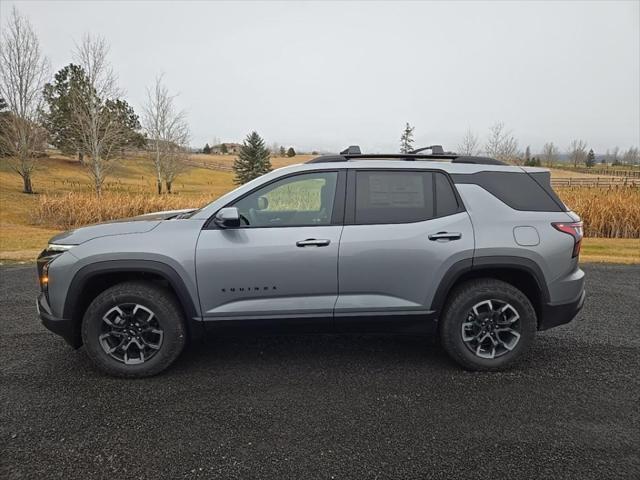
554, 315
60, 326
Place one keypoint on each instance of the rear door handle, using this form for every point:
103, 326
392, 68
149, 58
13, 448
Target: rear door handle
445, 236
312, 242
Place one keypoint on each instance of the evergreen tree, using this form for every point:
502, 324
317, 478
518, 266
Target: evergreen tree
527, 156
291, 152
591, 159
406, 140
72, 84
121, 113
58, 120
282, 152
223, 148
253, 159
206, 149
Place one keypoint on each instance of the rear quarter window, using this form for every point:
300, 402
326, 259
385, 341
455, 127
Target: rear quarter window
519, 191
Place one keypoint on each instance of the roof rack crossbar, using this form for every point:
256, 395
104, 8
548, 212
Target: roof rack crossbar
351, 150
435, 149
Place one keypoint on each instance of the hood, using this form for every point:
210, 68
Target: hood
139, 224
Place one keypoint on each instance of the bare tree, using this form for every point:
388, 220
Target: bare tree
549, 154
577, 152
470, 144
631, 156
167, 131
102, 134
23, 73
501, 144
614, 156
174, 162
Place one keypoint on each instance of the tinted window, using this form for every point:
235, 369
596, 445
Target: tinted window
518, 190
393, 197
294, 201
446, 201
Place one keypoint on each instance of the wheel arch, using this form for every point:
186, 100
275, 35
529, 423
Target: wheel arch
523, 273
92, 279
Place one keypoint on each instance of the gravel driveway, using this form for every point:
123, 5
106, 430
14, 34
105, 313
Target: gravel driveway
328, 406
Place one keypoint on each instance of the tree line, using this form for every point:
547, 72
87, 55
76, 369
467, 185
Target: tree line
502, 145
222, 148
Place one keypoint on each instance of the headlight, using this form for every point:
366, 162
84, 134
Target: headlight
52, 251
57, 248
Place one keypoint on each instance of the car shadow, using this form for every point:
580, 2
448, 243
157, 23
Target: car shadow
312, 351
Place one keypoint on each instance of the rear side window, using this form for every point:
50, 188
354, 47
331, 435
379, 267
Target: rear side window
393, 197
520, 191
446, 200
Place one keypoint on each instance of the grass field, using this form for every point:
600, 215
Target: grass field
21, 237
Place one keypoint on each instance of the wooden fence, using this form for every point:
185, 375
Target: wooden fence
628, 171
210, 165
595, 182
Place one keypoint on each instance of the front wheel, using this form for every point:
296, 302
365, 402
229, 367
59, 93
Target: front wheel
487, 324
133, 329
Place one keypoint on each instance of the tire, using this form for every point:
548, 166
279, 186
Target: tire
153, 320
467, 316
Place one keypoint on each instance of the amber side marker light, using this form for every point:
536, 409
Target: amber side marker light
575, 230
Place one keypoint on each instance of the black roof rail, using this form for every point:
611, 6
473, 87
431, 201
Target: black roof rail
437, 154
478, 160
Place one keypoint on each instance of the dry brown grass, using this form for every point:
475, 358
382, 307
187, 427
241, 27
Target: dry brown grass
75, 209
606, 212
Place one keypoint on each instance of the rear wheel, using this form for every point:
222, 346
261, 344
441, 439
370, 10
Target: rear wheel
487, 324
133, 329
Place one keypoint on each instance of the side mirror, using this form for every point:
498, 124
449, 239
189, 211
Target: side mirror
227, 217
263, 203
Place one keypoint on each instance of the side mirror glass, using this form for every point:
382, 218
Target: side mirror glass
228, 217
263, 203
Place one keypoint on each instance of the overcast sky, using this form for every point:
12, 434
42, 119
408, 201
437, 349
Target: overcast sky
326, 75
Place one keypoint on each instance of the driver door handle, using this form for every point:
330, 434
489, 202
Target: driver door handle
445, 236
312, 242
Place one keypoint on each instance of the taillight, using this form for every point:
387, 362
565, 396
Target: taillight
575, 230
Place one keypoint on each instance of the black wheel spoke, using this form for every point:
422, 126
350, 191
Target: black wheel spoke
491, 329
130, 333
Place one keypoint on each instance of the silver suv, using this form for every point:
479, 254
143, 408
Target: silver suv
480, 253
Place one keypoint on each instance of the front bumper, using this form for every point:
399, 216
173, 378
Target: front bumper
60, 326
553, 315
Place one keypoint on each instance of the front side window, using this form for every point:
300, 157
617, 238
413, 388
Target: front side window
393, 197
301, 200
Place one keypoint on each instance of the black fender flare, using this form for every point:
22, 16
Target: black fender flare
161, 269
477, 264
